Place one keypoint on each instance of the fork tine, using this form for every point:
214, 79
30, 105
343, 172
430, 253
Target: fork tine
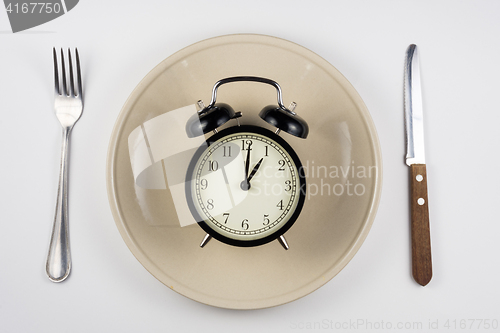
78, 73
63, 69
71, 79
56, 72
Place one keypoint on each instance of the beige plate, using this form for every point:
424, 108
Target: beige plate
341, 155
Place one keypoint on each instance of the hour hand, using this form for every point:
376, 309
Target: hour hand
255, 168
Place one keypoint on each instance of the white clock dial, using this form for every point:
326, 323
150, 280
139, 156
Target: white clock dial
246, 186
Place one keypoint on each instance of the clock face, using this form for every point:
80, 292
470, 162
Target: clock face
247, 187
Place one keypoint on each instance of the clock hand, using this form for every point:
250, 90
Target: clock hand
254, 171
245, 184
247, 163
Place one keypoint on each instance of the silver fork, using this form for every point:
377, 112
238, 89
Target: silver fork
68, 106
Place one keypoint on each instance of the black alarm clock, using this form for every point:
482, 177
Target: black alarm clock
246, 186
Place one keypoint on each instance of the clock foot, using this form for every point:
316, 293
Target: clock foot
205, 240
283, 242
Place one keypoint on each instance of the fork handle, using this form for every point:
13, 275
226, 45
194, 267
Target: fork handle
59, 258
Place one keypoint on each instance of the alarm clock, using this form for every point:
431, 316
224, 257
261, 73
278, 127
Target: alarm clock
246, 187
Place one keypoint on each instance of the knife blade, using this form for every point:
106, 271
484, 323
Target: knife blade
415, 159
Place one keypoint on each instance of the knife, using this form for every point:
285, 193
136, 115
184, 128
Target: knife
415, 159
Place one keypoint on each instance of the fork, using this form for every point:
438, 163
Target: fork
68, 108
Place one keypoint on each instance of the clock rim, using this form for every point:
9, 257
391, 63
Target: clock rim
300, 175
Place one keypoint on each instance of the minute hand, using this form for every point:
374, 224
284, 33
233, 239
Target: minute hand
247, 163
254, 171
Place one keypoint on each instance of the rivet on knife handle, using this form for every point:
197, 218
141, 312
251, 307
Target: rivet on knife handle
415, 159
420, 232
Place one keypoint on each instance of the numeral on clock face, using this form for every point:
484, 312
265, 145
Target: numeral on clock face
210, 204
246, 144
213, 165
281, 165
280, 205
245, 224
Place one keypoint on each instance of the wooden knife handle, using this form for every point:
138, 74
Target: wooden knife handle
420, 231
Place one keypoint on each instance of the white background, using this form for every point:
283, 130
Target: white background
121, 41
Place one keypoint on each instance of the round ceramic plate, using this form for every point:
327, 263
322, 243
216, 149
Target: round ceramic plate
341, 157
